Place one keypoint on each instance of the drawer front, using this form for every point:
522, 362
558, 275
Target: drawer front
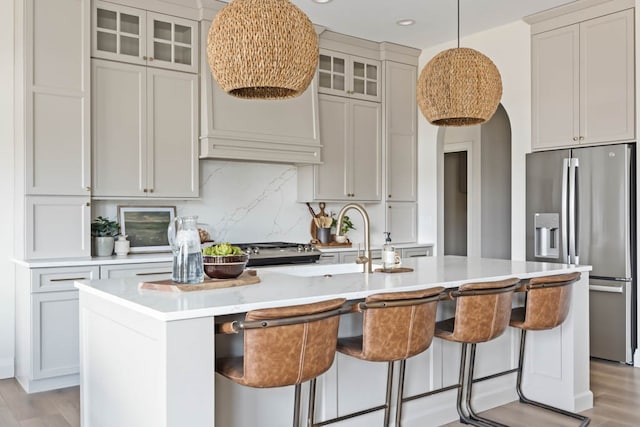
348, 257
60, 279
144, 272
417, 252
331, 258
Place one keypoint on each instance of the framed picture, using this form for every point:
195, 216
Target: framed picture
146, 226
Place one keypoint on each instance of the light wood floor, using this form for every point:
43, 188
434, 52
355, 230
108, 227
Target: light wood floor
616, 389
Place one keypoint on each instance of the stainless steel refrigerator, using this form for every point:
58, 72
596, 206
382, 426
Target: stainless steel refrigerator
581, 210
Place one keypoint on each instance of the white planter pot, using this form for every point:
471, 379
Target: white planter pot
103, 246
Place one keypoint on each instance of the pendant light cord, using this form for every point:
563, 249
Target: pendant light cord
458, 24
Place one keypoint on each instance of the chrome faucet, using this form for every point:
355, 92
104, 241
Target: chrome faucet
366, 259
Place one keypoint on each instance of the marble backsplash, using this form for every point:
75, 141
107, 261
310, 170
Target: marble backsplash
250, 202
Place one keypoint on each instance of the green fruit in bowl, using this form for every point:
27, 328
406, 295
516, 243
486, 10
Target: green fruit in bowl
222, 249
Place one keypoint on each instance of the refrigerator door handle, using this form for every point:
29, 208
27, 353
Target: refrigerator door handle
610, 289
573, 211
563, 211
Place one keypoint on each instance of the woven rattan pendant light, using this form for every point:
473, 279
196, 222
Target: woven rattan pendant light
262, 49
459, 87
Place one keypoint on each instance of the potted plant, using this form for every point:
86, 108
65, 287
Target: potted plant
347, 225
103, 231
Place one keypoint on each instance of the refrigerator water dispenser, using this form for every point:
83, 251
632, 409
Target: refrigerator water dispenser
547, 237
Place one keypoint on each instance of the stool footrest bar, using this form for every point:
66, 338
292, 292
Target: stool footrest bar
349, 416
496, 375
429, 393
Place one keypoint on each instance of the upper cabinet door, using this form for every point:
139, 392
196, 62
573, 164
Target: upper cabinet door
332, 73
555, 85
57, 99
119, 33
607, 70
172, 43
365, 79
119, 129
366, 142
172, 126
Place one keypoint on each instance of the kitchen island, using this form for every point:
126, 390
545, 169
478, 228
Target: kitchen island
147, 357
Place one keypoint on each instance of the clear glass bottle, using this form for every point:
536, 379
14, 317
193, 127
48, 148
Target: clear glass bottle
388, 252
187, 253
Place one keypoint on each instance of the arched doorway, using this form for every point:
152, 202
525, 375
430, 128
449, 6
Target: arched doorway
474, 215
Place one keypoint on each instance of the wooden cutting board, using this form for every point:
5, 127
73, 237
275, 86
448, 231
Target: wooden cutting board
394, 270
248, 277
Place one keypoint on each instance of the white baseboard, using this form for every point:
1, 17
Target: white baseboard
7, 368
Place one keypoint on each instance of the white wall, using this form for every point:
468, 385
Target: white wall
509, 47
7, 311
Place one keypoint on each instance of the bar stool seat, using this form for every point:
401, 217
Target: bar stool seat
395, 326
482, 314
284, 346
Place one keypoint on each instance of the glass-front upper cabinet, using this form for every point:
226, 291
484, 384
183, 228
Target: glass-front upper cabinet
345, 75
136, 36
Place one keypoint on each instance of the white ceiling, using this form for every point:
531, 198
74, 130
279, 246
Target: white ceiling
435, 19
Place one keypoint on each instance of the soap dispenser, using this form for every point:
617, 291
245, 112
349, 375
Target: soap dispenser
388, 252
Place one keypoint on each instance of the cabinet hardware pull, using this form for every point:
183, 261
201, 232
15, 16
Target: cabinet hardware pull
87, 188
575, 138
152, 273
151, 190
144, 57
581, 138
151, 58
88, 204
145, 190
389, 195
68, 279
389, 207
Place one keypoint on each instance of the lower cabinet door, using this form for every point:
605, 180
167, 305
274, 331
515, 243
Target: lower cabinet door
55, 319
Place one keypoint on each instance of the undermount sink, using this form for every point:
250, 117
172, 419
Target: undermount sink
321, 269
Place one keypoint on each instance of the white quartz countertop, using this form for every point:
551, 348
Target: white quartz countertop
280, 287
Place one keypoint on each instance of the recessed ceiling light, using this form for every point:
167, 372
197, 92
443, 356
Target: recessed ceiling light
405, 22
321, 1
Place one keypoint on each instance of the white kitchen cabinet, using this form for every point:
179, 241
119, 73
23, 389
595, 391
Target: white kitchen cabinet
47, 324
416, 252
351, 171
583, 83
329, 258
57, 227
401, 132
55, 116
136, 36
348, 75
144, 131
402, 221
144, 271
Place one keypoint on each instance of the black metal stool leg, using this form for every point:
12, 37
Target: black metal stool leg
472, 414
387, 400
584, 420
296, 405
312, 402
403, 366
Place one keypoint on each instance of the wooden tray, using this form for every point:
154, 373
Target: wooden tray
394, 270
317, 244
248, 277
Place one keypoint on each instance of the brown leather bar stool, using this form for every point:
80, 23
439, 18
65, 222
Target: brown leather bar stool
284, 346
482, 314
547, 305
395, 326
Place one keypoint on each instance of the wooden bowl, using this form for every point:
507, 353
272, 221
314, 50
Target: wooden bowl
224, 267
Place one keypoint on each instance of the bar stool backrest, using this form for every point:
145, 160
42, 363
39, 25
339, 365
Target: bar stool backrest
483, 310
402, 329
285, 355
548, 301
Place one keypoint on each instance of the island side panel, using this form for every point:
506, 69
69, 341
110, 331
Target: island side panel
137, 371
